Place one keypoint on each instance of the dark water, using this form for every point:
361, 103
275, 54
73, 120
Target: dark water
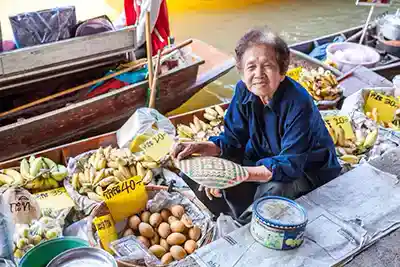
295, 20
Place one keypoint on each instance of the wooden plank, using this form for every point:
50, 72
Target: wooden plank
63, 52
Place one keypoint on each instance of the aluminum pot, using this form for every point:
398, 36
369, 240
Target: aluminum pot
391, 27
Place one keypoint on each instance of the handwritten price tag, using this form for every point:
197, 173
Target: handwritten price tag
341, 121
158, 145
126, 198
106, 229
385, 105
56, 199
294, 73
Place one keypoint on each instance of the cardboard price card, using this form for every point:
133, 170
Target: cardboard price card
126, 198
157, 146
106, 229
341, 121
385, 105
294, 73
56, 199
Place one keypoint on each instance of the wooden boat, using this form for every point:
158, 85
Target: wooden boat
64, 152
109, 111
388, 67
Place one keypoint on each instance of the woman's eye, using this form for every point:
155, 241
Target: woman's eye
251, 67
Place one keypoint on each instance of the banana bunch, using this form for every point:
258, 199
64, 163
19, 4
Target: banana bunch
199, 130
35, 174
321, 84
395, 124
108, 166
349, 150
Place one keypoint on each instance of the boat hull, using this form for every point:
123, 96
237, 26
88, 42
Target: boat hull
108, 112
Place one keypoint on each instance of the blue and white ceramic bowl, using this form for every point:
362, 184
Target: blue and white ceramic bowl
278, 223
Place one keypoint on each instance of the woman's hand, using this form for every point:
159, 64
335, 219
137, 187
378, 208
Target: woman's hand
259, 174
210, 192
183, 150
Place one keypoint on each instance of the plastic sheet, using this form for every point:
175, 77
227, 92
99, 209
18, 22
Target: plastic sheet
6, 233
45, 26
142, 122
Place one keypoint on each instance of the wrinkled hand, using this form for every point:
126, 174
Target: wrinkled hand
183, 150
210, 192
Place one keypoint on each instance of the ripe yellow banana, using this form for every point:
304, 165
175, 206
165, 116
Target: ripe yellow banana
360, 138
193, 127
119, 176
108, 180
18, 180
94, 196
101, 164
340, 136
5, 179
148, 177
150, 164
211, 111
197, 124
75, 181
99, 176
125, 171
140, 170
352, 159
132, 169
220, 111
53, 184
209, 116
112, 164
371, 138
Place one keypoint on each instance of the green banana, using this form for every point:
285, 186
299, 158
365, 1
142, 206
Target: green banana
18, 180
371, 138
35, 167
60, 174
50, 164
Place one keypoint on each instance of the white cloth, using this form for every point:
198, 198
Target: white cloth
145, 5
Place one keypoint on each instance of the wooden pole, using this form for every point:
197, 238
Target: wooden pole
153, 92
140, 64
149, 50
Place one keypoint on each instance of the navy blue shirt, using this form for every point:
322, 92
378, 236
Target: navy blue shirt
288, 135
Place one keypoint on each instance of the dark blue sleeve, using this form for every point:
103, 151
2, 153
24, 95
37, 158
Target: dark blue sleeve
232, 141
296, 144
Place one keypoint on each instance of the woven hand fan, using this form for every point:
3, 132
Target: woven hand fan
213, 172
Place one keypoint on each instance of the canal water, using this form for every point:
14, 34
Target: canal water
222, 22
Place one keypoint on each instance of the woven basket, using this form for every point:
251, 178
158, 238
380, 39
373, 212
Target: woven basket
102, 210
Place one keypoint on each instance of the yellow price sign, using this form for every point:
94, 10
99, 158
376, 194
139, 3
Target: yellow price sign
56, 199
385, 105
158, 145
341, 121
106, 230
126, 198
294, 73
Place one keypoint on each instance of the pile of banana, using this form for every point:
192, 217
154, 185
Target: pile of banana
321, 84
199, 130
35, 174
349, 150
106, 167
395, 124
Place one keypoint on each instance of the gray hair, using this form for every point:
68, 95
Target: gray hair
264, 36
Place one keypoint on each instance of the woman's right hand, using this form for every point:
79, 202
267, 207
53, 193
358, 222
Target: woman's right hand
183, 150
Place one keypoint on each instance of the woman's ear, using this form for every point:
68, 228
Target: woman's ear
283, 77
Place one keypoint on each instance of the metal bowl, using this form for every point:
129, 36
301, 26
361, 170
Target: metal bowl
84, 257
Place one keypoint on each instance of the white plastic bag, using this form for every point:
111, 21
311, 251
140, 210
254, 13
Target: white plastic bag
142, 122
6, 232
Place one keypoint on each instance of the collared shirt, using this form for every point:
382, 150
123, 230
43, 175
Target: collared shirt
288, 135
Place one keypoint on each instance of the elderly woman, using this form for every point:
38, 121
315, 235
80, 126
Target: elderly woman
271, 126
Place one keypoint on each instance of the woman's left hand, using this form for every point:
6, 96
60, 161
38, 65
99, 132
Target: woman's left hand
210, 192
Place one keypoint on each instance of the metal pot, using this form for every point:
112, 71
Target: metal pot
391, 27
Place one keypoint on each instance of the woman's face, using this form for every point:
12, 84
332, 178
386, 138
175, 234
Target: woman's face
260, 71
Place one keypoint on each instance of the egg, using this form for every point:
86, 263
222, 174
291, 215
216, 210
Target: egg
134, 222
178, 252
145, 216
165, 214
164, 230
190, 246
176, 239
146, 230
177, 227
155, 219
177, 211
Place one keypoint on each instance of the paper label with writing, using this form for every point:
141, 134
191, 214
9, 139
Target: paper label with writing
158, 146
56, 199
106, 229
385, 105
341, 121
294, 73
126, 198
